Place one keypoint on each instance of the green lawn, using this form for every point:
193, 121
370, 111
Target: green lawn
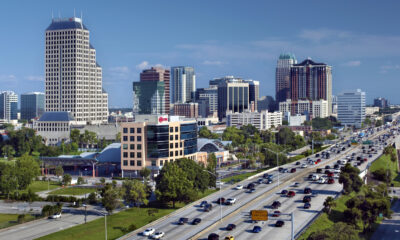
72, 191
242, 176
8, 220
38, 186
385, 163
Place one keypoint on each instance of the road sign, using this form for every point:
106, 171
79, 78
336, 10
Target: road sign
259, 215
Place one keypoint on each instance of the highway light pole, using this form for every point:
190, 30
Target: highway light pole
220, 196
277, 163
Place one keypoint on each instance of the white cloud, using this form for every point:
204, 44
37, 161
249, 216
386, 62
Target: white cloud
215, 63
352, 63
389, 67
119, 72
143, 65
8, 78
35, 78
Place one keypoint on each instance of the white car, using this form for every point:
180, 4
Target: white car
239, 187
219, 183
158, 235
230, 201
304, 166
148, 231
322, 180
55, 216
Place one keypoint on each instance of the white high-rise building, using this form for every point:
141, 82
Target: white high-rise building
261, 120
183, 84
8, 106
351, 108
312, 108
282, 76
73, 76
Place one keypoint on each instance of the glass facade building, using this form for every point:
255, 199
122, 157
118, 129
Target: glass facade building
233, 96
148, 97
32, 105
183, 84
8, 106
351, 108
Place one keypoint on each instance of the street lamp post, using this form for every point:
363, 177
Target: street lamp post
277, 164
220, 196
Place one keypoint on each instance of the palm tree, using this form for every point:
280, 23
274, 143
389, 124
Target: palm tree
329, 204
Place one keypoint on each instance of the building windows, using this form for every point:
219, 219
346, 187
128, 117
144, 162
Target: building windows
176, 153
132, 163
125, 138
139, 138
132, 154
176, 145
139, 147
171, 129
139, 155
125, 162
125, 130
125, 146
181, 144
139, 130
161, 162
181, 153
139, 163
132, 146
153, 163
176, 129
171, 154
132, 130
132, 138
176, 137
125, 154
171, 137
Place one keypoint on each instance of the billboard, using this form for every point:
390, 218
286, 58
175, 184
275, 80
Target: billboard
259, 215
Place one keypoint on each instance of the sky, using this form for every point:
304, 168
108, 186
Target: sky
360, 39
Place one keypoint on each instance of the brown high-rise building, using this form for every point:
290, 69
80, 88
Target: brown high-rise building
311, 81
160, 75
282, 76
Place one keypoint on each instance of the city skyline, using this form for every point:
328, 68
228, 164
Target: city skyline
358, 45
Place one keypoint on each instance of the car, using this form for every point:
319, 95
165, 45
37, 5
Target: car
183, 220
307, 205
319, 160
55, 216
304, 166
336, 166
291, 194
251, 186
276, 213
260, 180
148, 232
327, 171
293, 170
284, 192
285, 170
158, 235
220, 200
268, 181
331, 181
256, 229
307, 191
331, 174
239, 187
230, 227
297, 163
296, 184
317, 155
207, 207
310, 176
196, 221
319, 170
279, 223
213, 236
306, 199
275, 205
203, 203
336, 171
251, 190
327, 167
229, 238
230, 201
322, 180
280, 169
266, 175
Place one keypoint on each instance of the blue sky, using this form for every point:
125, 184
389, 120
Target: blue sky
359, 39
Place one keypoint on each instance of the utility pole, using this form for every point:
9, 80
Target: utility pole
292, 225
277, 159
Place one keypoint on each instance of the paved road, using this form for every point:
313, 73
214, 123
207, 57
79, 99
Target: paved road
39, 228
389, 229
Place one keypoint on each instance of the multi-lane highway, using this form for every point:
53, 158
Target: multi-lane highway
260, 199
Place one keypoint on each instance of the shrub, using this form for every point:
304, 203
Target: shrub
21, 218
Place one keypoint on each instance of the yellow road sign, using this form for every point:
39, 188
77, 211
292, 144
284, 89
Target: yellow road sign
259, 215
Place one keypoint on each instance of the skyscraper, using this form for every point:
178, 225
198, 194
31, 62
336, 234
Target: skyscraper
149, 97
73, 76
183, 84
351, 108
311, 81
282, 76
159, 74
32, 105
211, 96
254, 92
381, 102
8, 106
233, 96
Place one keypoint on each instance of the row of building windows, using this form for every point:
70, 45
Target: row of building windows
132, 130
132, 155
132, 138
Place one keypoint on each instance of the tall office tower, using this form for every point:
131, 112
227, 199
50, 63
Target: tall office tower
254, 92
233, 96
381, 102
211, 95
183, 84
282, 77
351, 108
149, 97
8, 106
159, 74
73, 76
312, 81
32, 105
217, 81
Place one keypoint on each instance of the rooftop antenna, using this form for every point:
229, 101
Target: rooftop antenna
81, 20
74, 12
52, 15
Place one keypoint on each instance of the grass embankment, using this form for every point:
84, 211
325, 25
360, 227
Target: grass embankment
72, 191
384, 162
8, 220
38, 186
325, 221
242, 176
118, 224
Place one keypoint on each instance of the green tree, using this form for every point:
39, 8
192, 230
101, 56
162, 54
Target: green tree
8, 151
339, 231
75, 136
349, 177
173, 185
195, 173
321, 123
352, 216
134, 192
8, 179
27, 169
204, 132
67, 179
118, 137
110, 199
92, 198
211, 167
80, 180
145, 172
378, 123
329, 204
59, 171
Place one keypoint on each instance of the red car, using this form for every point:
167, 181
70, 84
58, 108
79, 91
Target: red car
276, 213
365, 159
331, 174
331, 181
291, 194
293, 170
319, 160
